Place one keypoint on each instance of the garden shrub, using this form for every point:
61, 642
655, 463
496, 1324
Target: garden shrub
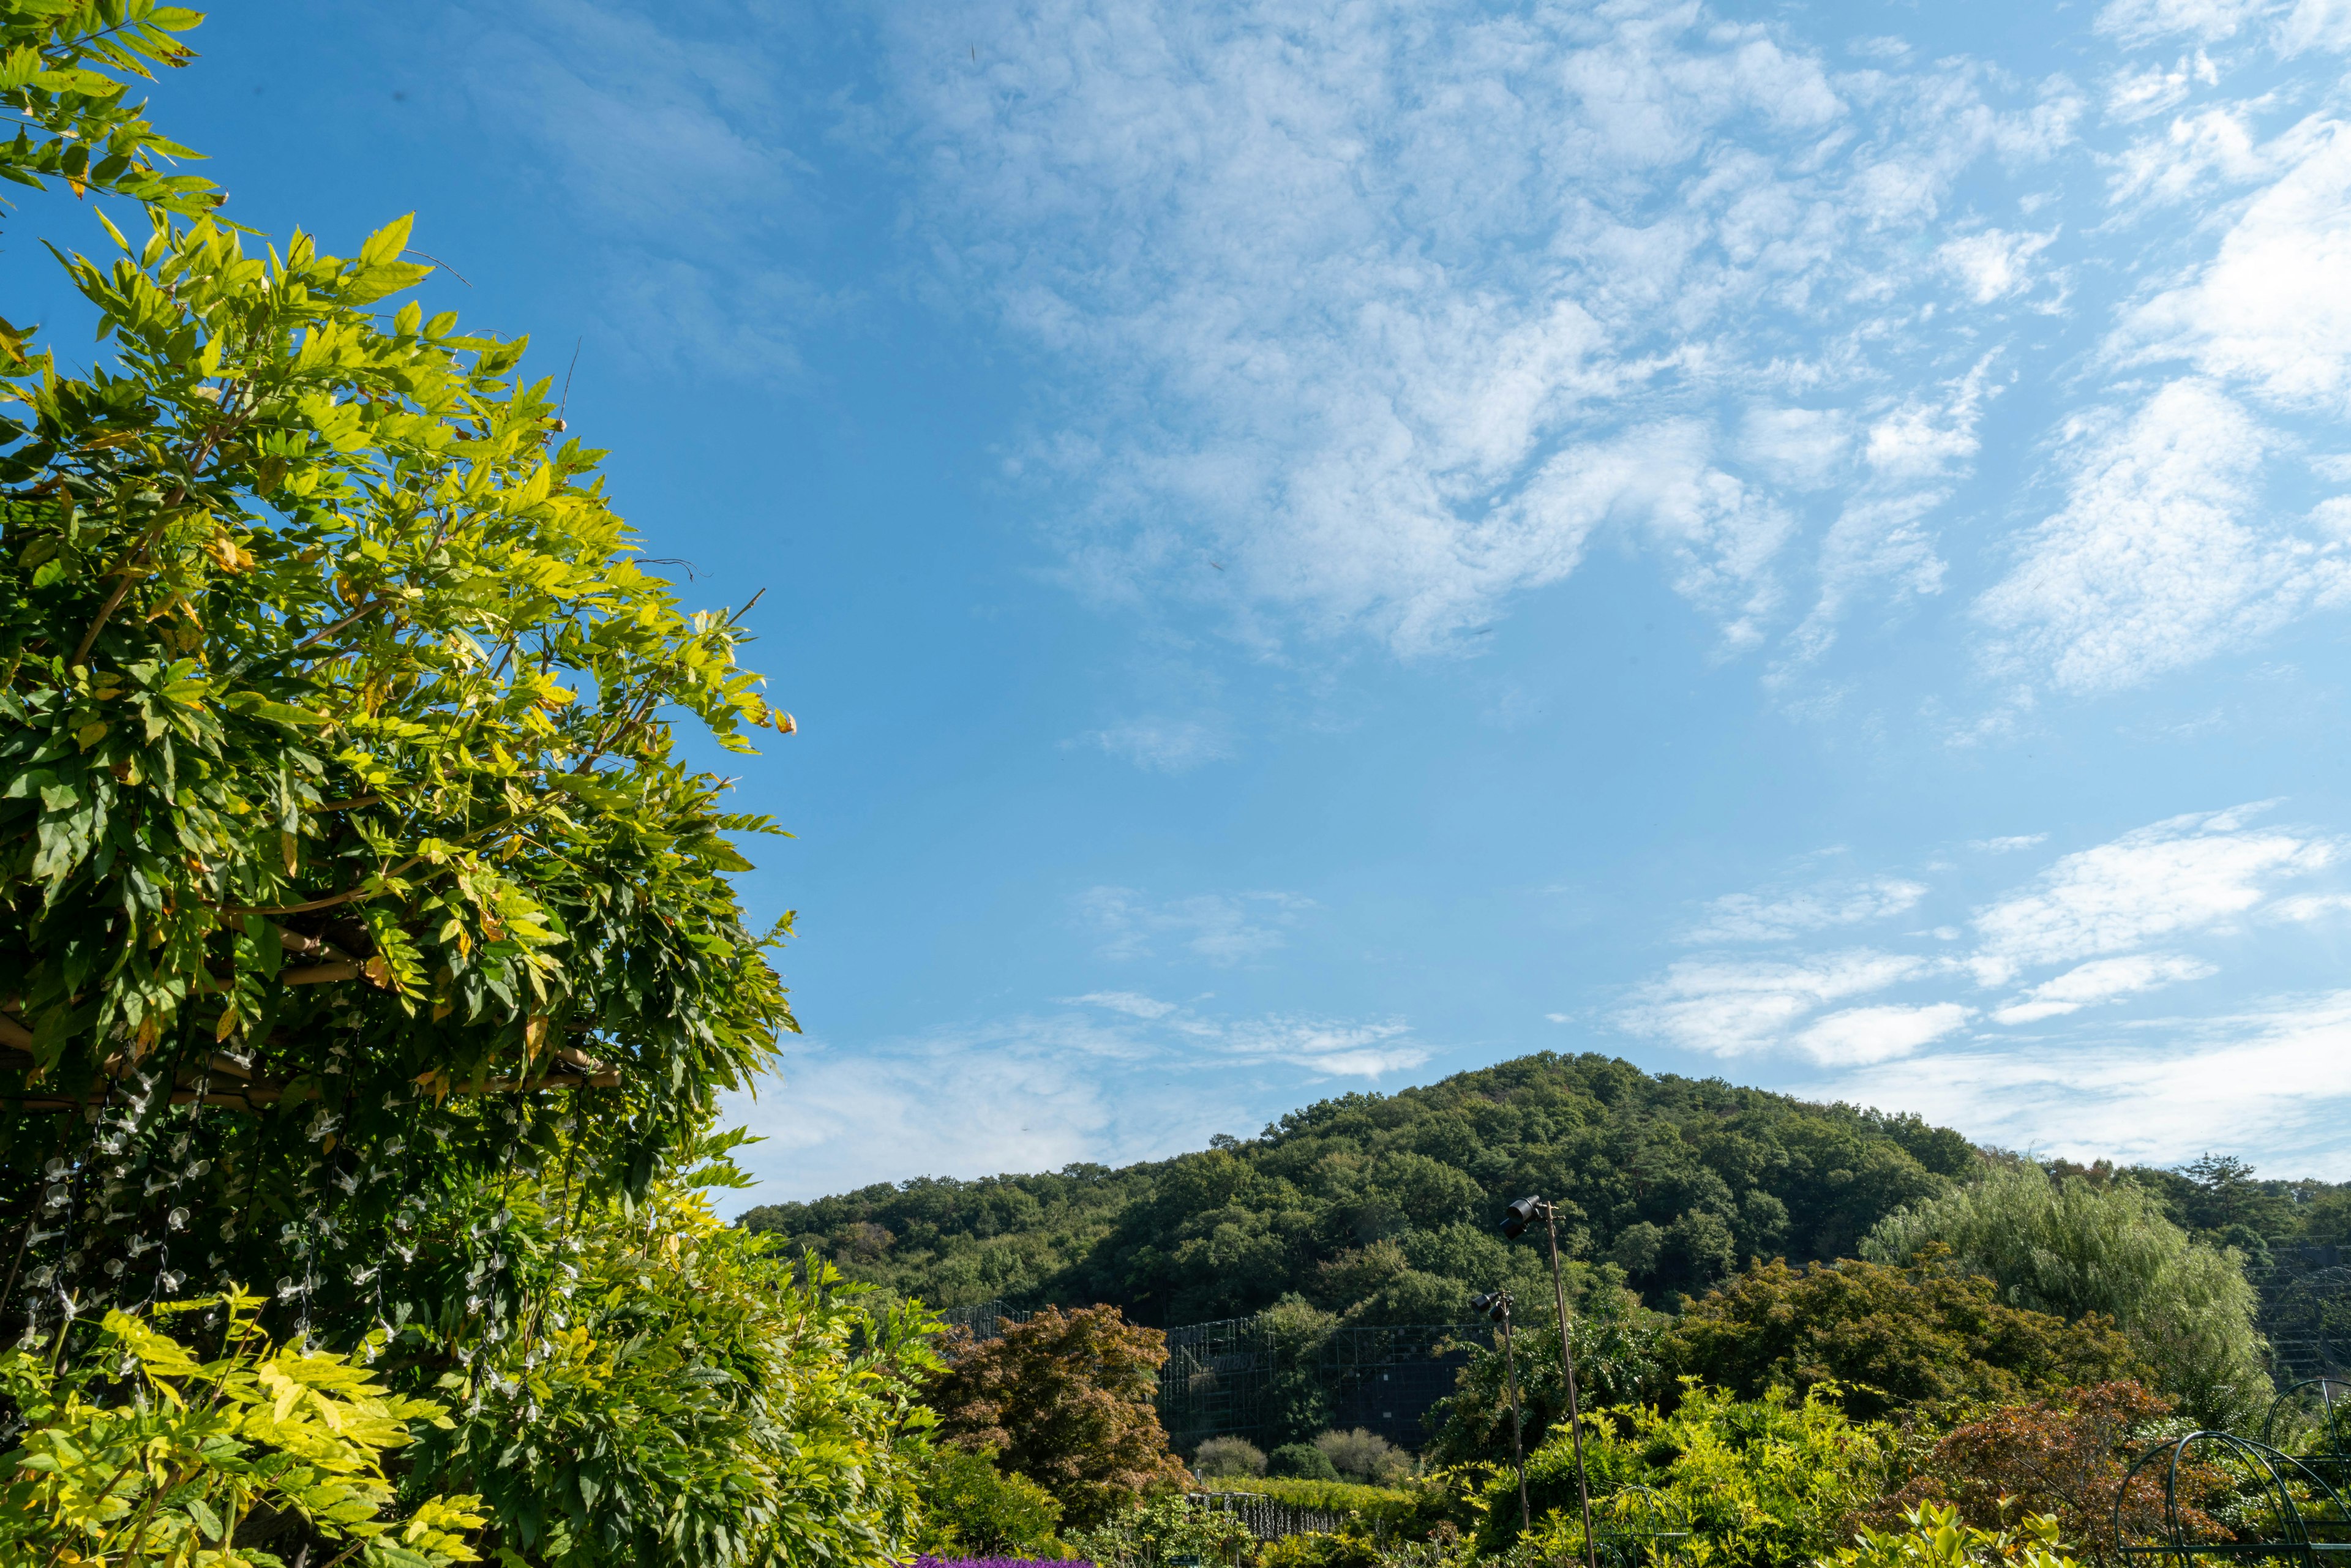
137, 1452
1936, 1537
1067, 1399
1890, 1338
2065, 1459
970, 1506
675, 1391
2077, 1248
1363, 1455
1147, 1533
1765, 1481
1221, 1456
1300, 1461
1381, 1505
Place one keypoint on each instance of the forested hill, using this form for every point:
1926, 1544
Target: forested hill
1382, 1207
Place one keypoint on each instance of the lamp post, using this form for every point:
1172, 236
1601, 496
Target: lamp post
1497, 1306
1515, 1220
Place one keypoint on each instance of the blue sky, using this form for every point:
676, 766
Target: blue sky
1317, 545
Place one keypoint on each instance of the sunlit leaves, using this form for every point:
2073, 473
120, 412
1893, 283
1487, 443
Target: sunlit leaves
310, 617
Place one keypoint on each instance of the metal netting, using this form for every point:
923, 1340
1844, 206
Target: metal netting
2306, 1313
1254, 1377
2226, 1499
2312, 1421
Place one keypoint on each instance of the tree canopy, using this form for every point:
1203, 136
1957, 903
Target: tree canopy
341, 815
1381, 1208
2066, 1245
1066, 1399
1889, 1339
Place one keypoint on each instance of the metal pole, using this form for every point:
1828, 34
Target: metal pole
1567, 1366
1518, 1444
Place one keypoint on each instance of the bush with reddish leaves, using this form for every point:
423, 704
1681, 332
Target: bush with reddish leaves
2066, 1458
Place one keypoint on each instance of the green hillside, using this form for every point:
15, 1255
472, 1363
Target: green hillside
1381, 1208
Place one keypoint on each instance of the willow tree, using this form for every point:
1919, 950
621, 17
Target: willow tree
347, 853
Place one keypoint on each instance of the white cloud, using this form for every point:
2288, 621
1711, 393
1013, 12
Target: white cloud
1732, 1009
1752, 918
2137, 94
2273, 1083
2194, 152
2272, 310
1115, 1076
2316, 24
2186, 873
2013, 841
1796, 449
2305, 907
1393, 312
1927, 438
1859, 1036
1167, 745
1993, 263
2142, 21
2100, 980
1223, 928
2156, 560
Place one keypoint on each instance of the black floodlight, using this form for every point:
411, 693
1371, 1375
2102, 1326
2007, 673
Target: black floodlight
1495, 1305
1518, 1215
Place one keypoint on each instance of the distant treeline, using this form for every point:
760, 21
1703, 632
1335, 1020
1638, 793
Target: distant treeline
1381, 1208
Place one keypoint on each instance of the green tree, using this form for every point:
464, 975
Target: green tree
1889, 1338
2073, 1247
1066, 1399
342, 818
1616, 1362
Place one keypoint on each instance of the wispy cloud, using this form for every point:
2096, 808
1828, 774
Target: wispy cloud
1343, 1047
2096, 910
1394, 311
2151, 564
1167, 745
1859, 1036
1727, 1008
2275, 1080
2183, 874
1222, 928
1108, 1076
1771, 917
2100, 980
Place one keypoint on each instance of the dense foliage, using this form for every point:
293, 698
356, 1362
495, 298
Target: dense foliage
1932, 1536
971, 1507
341, 820
1380, 1207
2066, 1459
1616, 1362
1066, 1399
137, 1452
2073, 1247
676, 1391
1890, 1339
1762, 1481
67, 68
